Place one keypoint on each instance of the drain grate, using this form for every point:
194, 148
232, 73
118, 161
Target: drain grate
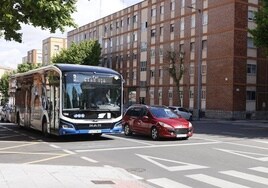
102, 182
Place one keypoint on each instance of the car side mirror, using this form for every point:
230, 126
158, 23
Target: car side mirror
145, 118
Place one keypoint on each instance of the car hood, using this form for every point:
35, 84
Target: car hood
175, 122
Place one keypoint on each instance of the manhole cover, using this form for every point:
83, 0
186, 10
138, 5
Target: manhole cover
102, 182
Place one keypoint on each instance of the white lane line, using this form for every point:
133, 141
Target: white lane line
231, 133
128, 139
261, 141
260, 169
68, 151
215, 181
250, 146
145, 147
249, 177
89, 160
54, 146
167, 183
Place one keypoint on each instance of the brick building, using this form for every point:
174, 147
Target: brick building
233, 72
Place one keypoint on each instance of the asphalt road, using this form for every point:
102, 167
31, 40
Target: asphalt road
220, 154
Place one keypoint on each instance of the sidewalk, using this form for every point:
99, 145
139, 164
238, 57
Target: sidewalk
257, 123
55, 176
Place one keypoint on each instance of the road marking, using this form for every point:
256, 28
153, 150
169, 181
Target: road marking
231, 133
246, 154
232, 143
128, 139
11, 147
260, 169
145, 147
47, 159
54, 146
182, 165
261, 141
167, 183
68, 151
215, 181
31, 153
90, 160
249, 177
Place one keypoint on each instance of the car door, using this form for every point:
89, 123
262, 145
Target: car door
145, 123
137, 123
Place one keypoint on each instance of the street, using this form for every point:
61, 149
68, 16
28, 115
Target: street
220, 154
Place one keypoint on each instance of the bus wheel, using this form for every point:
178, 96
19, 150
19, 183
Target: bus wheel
44, 129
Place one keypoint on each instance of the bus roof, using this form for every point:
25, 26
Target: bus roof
70, 68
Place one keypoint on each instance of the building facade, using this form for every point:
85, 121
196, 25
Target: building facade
50, 47
225, 75
34, 56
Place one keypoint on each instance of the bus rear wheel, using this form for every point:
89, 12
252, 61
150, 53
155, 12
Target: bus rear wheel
44, 129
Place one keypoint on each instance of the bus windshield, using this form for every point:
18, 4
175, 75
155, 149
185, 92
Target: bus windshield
91, 91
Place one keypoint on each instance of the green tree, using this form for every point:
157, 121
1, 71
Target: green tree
4, 84
24, 67
84, 53
176, 69
260, 34
52, 15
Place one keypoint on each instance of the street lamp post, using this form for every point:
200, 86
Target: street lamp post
199, 73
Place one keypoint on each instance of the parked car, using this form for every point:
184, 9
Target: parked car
7, 113
182, 112
156, 121
1, 108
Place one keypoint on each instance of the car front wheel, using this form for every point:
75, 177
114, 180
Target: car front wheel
154, 133
127, 130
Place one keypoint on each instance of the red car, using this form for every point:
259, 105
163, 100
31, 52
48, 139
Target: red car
156, 121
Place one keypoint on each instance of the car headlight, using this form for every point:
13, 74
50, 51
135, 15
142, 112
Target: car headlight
190, 125
165, 125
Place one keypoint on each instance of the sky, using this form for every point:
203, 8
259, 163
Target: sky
11, 52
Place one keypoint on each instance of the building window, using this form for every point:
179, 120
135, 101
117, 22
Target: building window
192, 47
181, 48
193, 21
135, 18
204, 44
153, 33
160, 93
135, 37
251, 95
170, 94
56, 47
160, 72
250, 43
172, 6
161, 9
128, 21
152, 52
204, 69
182, 3
152, 72
171, 28
251, 69
191, 94
143, 65
250, 15
205, 18
161, 30
143, 46
153, 12
182, 25
160, 51
191, 71
203, 94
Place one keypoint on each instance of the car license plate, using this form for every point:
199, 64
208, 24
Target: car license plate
181, 135
94, 131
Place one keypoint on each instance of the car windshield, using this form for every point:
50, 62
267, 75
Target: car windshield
88, 91
163, 112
